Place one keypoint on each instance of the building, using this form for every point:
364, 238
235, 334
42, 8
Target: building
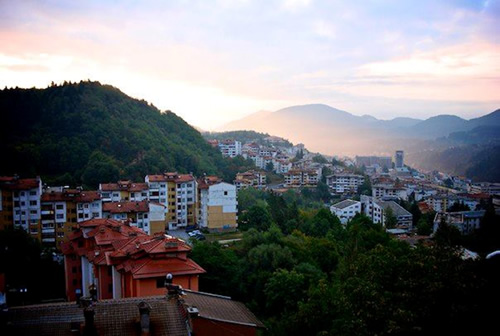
230, 148
301, 178
251, 178
465, 221
123, 191
122, 261
389, 191
344, 183
376, 209
218, 205
20, 203
346, 210
136, 214
62, 210
381, 161
399, 159
485, 188
179, 194
176, 312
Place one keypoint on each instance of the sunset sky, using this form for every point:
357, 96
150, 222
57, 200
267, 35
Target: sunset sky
215, 61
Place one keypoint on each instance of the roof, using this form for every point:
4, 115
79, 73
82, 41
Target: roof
157, 268
397, 209
123, 185
125, 207
184, 178
112, 317
71, 195
15, 183
344, 204
221, 308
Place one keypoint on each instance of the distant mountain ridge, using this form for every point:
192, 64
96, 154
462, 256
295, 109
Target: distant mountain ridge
329, 130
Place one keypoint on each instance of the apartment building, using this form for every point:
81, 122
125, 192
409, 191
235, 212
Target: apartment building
178, 193
136, 214
301, 178
62, 210
389, 191
376, 209
20, 203
465, 221
230, 148
124, 191
485, 188
344, 183
346, 210
218, 205
251, 178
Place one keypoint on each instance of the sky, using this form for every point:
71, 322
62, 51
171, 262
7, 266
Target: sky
211, 62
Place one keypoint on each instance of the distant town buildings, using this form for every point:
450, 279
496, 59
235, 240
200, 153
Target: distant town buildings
301, 178
251, 178
230, 148
381, 161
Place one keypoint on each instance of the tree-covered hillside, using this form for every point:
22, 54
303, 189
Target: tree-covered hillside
90, 133
245, 136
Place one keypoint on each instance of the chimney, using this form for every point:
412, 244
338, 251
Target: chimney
89, 327
144, 310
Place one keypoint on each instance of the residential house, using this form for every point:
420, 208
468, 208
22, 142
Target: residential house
124, 191
230, 148
123, 261
251, 178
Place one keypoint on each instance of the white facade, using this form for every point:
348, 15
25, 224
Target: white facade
230, 148
217, 195
26, 209
346, 210
88, 210
344, 183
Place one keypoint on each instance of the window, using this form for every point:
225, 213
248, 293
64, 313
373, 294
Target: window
33, 212
145, 216
59, 206
22, 193
33, 193
59, 216
74, 282
225, 193
160, 282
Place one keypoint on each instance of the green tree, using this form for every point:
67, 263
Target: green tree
423, 227
256, 217
390, 220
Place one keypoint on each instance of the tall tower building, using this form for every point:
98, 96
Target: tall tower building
399, 159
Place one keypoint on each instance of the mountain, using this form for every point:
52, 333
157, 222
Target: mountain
437, 126
90, 133
332, 131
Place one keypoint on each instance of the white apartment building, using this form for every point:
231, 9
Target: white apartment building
344, 183
346, 210
230, 148
465, 221
376, 208
389, 191
25, 195
301, 177
218, 206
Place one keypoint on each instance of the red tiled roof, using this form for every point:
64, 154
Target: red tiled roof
123, 185
156, 178
184, 178
221, 308
153, 268
71, 195
13, 183
100, 221
125, 207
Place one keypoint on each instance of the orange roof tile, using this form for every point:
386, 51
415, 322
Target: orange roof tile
125, 207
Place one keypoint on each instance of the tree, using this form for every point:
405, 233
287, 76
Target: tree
269, 167
390, 220
319, 159
458, 206
423, 227
366, 187
256, 217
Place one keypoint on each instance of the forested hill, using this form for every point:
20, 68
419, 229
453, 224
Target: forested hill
89, 133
